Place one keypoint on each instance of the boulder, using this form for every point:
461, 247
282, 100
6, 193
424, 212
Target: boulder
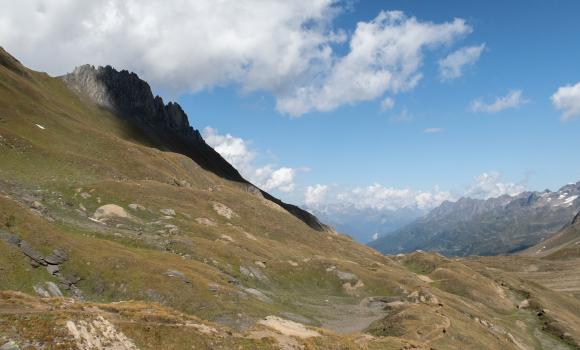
30, 252
108, 211
136, 207
36, 205
52, 269
167, 211
41, 291
223, 210
57, 257
53, 289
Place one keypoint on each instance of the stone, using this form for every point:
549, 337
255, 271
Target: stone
181, 183
85, 195
245, 272
136, 207
108, 211
223, 210
261, 264
167, 211
258, 274
57, 257
205, 221
53, 289
259, 295
52, 269
41, 291
10, 345
9, 238
524, 304
30, 252
36, 205
345, 276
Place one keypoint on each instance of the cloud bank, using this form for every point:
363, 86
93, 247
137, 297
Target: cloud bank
490, 184
287, 48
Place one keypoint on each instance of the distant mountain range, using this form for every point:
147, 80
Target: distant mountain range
362, 224
499, 225
563, 245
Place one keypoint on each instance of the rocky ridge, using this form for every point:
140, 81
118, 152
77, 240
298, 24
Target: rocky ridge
166, 125
499, 225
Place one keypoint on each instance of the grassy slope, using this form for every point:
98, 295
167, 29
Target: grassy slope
86, 150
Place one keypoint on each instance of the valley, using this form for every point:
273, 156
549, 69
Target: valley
122, 229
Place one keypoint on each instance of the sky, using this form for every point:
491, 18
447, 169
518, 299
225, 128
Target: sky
372, 104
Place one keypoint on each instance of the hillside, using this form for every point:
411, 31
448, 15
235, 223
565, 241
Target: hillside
487, 227
120, 228
564, 244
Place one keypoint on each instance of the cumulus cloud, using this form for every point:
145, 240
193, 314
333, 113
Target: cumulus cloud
287, 48
490, 184
385, 56
567, 99
513, 99
184, 45
315, 195
237, 151
451, 67
375, 236
379, 197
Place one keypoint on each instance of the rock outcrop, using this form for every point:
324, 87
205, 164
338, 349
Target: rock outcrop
165, 125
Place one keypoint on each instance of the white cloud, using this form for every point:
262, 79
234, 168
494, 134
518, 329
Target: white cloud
513, 99
378, 197
182, 45
236, 151
283, 47
567, 99
385, 55
433, 130
387, 103
490, 184
315, 195
451, 67
281, 178
375, 236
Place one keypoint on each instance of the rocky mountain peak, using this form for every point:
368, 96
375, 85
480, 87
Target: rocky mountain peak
167, 125
125, 93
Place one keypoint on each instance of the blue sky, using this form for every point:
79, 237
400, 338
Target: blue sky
234, 68
530, 46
